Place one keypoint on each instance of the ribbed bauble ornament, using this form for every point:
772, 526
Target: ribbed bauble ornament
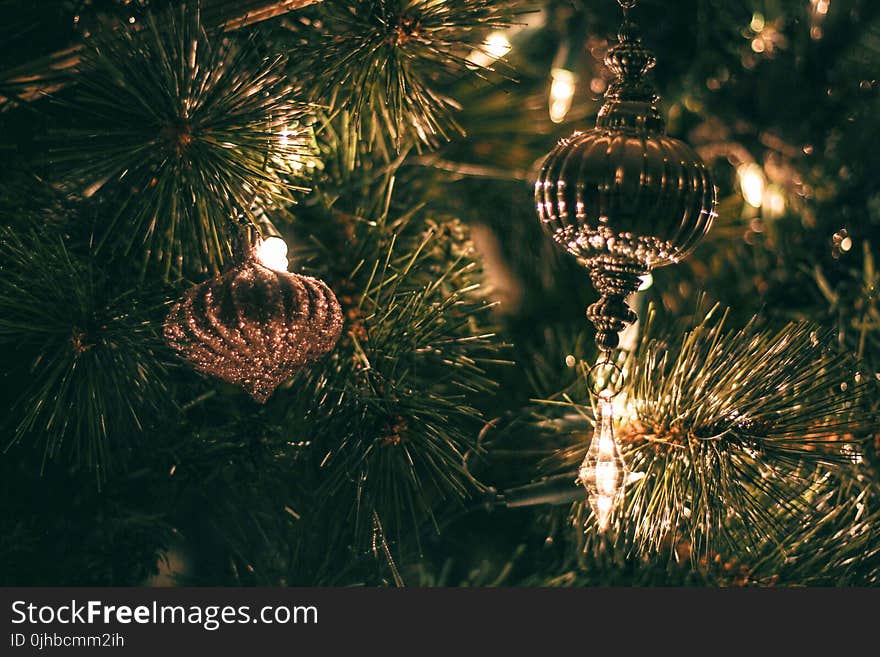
624, 197
254, 326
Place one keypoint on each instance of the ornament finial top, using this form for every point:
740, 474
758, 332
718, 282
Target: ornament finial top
629, 59
631, 100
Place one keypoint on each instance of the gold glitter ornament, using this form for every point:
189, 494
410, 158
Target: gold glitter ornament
254, 326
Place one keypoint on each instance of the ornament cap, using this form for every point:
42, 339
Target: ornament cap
629, 59
631, 100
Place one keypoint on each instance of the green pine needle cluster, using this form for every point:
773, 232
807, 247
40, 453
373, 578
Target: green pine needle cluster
86, 372
184, 133
416, 355
414, 453
735, 435
386, 61
398, 397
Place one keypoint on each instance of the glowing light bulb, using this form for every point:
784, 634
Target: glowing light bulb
820, 13
647, 280
562, 90
751, 180
272, 253
496, 46
774, 202
758, 22
604, 473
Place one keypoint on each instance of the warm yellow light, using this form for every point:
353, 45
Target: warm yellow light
821, 7
774, 202
647, 281
603, 472
820, 13
285, 137
751, 180
562, 90
496, 46
629, 338
272, 253
622, 408
846, 244
758, 22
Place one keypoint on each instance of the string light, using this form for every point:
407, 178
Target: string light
841, 242
496, 46
752, 183
272, 253
767, 36
819, 13
284, 140
758, 22
562, 88
293, 141
774, 202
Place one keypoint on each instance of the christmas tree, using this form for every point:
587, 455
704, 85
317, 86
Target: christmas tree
420, 381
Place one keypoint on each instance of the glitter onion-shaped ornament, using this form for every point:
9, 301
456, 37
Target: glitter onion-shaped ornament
624, 197
254, 326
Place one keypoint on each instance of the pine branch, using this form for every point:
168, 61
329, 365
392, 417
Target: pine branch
381, 61
234, 481
58, 529
730, 430
398, 406
400, 418
836, 544
51, 72
88, 352
184, 135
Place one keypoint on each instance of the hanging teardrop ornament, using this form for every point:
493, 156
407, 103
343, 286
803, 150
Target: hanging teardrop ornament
603, 472
623, 198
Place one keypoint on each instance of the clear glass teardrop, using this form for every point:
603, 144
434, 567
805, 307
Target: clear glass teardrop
603, 472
